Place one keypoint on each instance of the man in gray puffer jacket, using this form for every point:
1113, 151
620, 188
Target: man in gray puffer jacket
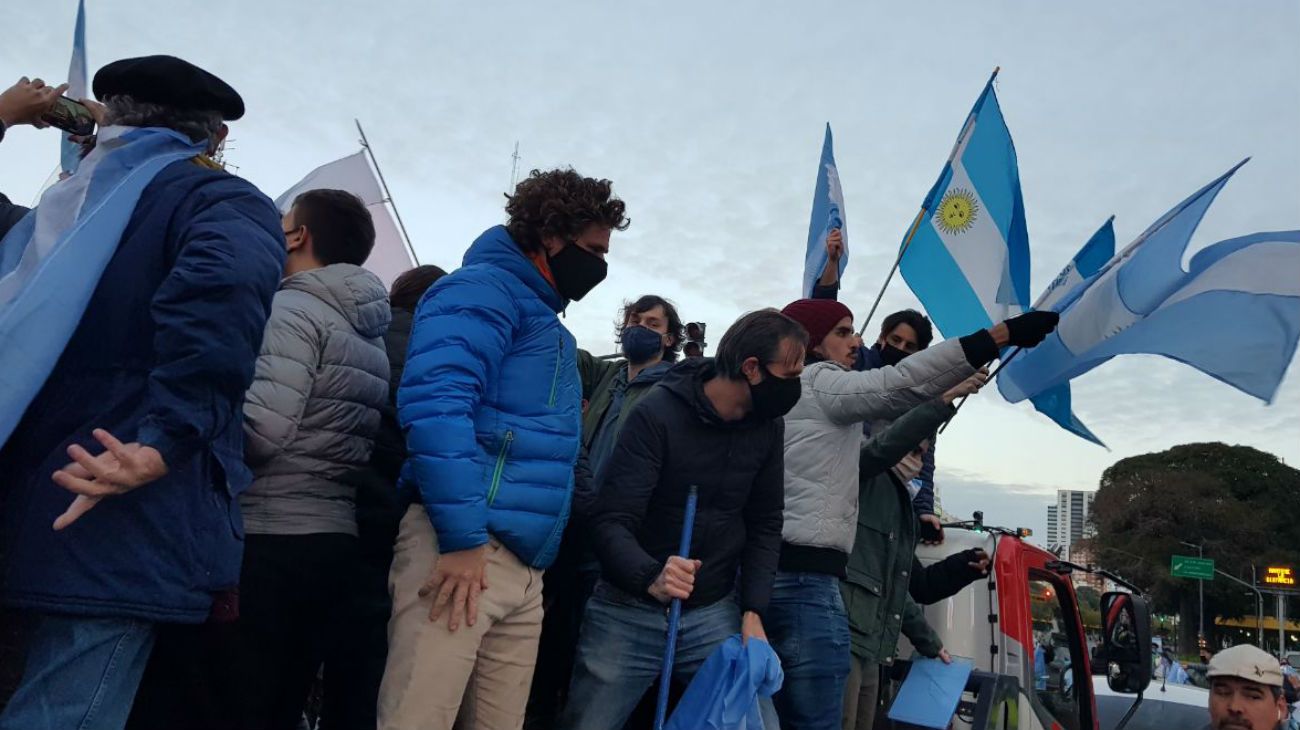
311, 417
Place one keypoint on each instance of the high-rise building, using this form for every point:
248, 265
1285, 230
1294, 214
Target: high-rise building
1067, 520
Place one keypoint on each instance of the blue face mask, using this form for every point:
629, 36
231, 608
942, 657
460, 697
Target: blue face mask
641, 344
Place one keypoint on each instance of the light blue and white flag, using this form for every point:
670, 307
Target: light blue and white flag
70, 152
827, 214
1055, 402
1245, 291
52, 259
968, 260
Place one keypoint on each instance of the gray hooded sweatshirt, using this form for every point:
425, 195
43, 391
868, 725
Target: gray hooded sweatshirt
312, 412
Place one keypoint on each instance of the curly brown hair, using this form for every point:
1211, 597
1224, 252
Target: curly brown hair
561, 203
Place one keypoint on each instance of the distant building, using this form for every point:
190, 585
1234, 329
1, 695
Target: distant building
1067, 520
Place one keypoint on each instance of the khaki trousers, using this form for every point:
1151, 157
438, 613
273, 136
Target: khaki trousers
477, 677
861, 695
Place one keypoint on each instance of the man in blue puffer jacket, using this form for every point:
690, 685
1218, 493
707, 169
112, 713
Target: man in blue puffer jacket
492, 407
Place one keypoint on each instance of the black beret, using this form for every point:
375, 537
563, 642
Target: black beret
168, 81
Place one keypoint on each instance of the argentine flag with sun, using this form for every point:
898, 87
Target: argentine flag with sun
967, 258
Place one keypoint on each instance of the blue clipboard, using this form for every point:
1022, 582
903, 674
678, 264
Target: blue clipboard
929, 695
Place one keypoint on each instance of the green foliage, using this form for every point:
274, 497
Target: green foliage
1244, 505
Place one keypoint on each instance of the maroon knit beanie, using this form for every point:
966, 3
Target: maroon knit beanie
818, 316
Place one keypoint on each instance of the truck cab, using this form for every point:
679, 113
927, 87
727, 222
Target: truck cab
1023, 631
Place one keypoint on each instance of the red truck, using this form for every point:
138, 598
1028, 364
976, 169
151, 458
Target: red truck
1023, 630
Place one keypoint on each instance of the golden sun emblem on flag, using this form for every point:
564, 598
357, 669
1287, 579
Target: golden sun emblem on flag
957, 211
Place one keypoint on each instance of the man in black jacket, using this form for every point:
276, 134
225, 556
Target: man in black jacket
715, 425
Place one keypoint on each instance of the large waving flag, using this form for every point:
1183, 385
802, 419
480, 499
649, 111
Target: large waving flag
70, 152
967, 259
392, 254
1246, 291
827, 214
1056, 402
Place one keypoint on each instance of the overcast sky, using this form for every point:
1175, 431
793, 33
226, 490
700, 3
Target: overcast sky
708, 117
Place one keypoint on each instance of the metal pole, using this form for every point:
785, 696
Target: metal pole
1200, 586
1259, 601
388, 197
1281, 623
1259, 608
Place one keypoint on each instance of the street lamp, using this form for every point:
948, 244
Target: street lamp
1200, 587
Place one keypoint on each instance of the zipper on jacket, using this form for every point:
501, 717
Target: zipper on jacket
555, 377
501, 467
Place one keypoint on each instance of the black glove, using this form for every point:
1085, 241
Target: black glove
931, 534
1031, 328
963, 562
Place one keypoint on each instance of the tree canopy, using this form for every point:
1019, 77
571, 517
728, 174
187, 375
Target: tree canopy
1241, 503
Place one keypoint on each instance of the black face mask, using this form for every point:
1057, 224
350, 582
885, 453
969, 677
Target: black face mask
892, 355
774, 397
576, 271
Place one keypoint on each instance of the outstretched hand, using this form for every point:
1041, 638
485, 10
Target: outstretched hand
27, 100
118, 470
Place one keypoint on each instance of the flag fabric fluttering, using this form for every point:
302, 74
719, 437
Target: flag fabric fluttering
827, 214
70, 152
967, 257
1233, 314
1056, 402
391, 255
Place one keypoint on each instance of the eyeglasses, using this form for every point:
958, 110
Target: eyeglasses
291, 231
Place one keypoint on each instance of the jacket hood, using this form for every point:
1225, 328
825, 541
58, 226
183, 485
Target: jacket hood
496, 248
651, 375
354, 292
686, 381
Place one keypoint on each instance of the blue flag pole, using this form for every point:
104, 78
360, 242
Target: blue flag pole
675, 614
925, 206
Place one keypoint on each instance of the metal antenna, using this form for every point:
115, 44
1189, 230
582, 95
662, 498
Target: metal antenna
514, 167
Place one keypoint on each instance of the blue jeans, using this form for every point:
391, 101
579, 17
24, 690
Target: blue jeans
621, 651
81, 674
809, 629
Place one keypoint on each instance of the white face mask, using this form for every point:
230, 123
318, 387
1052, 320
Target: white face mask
907, 469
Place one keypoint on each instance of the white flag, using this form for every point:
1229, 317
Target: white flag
391, 256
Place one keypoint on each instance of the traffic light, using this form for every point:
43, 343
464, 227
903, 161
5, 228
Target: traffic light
695, 343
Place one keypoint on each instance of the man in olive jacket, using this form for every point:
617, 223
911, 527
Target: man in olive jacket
875, 592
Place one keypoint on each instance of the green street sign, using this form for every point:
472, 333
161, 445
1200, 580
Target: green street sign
1186, 566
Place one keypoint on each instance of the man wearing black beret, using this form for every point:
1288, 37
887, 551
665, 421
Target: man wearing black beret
137, 366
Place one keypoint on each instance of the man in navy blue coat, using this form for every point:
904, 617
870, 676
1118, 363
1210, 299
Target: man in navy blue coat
121, 482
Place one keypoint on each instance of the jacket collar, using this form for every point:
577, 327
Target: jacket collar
496, 248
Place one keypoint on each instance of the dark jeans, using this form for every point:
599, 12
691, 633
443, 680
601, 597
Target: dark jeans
621, 651
255, 674
809, 629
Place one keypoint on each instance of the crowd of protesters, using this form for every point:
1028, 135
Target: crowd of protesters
246, 473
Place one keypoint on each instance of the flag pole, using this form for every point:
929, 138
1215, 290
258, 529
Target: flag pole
388, 197
920, 216
992, 375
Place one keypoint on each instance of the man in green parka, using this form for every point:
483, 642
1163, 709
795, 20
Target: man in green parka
876, 589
